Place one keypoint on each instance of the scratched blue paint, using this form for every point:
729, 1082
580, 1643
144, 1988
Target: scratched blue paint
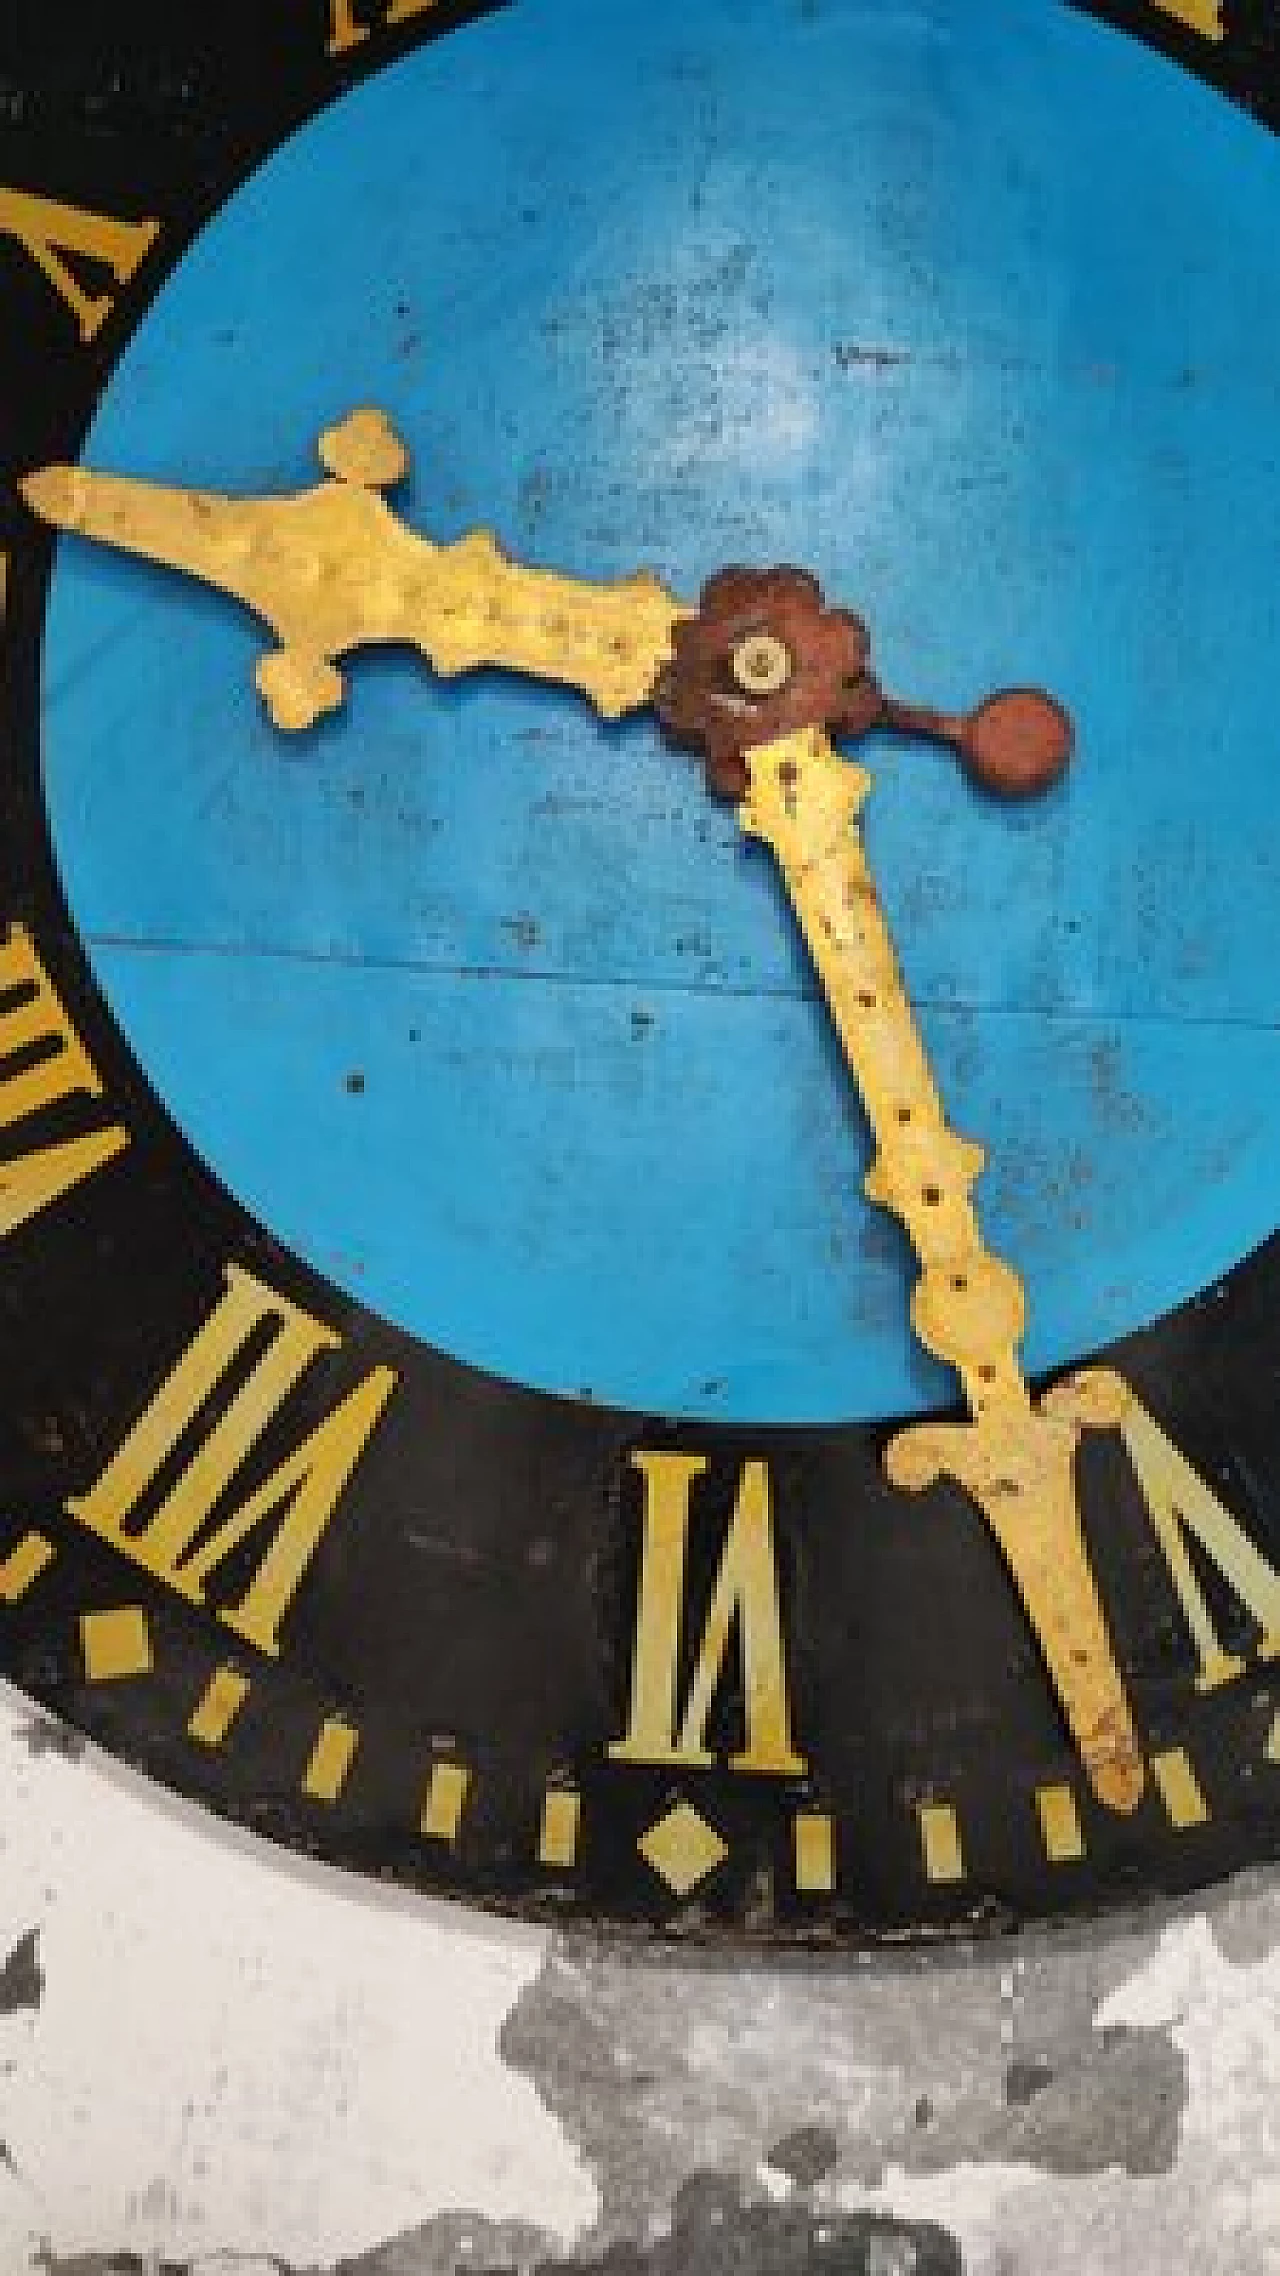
972, 308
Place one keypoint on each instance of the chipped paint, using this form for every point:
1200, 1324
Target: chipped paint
316, 2076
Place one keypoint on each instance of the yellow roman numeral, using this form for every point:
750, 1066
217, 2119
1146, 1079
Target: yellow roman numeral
50, 232
346, 31
1203, 16
42, 1063
178, 1543
745, 1595
1180, 1503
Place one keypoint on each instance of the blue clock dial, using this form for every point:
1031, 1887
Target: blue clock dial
491, 1015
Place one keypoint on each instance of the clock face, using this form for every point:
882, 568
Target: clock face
511, 1382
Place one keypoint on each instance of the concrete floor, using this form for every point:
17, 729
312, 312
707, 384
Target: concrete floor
215, 2059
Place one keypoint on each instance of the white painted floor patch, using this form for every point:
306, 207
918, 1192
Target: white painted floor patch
235, 2054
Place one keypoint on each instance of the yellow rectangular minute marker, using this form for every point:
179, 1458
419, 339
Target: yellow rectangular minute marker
223, 1697
22, 1568
815, 1845
446, 1794
561, 1816
1059, 1825
331, 1759
1179, 1790
940, 1839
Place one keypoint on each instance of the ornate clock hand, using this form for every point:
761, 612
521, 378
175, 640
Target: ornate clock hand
755, 679
1014, 1461
332, 569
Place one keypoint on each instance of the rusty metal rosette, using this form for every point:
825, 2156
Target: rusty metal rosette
761, 657
764, 656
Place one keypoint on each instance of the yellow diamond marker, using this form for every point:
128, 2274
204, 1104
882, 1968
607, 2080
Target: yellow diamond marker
331, 1759
446, 1795
558, 1841
223, 1698
815, 1842
23, 1566
1179, 1790
115, 1644
940, 1841
1060, 1825
682, 1849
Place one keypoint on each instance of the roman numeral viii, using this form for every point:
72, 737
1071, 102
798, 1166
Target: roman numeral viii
194, 1443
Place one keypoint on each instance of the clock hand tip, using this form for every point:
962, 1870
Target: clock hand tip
1118, 1779
55, 494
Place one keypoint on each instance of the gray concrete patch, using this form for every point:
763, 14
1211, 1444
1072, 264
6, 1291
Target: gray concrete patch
981, 2055
718, 2229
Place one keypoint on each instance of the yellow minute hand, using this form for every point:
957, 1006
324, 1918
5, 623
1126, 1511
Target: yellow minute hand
753, 679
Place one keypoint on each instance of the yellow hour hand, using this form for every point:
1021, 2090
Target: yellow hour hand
331, 570
1014, 1458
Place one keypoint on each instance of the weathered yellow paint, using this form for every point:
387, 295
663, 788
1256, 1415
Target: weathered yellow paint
115, 1644
561, 1824
23, 1566
331, 1759
299, 1497
745, 1594
1059, 1825
1179, 1790
31, 1017
223, 1697
50, 232
445, 1800
1016, 1462
815, 1851
1203, 16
